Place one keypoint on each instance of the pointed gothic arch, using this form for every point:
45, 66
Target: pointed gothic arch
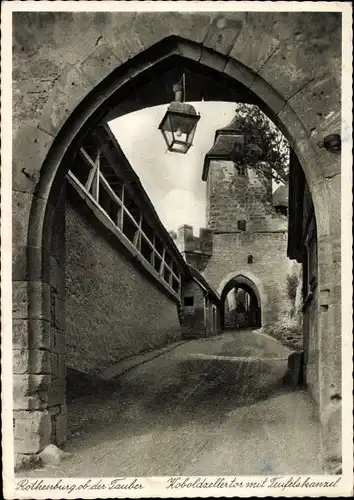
129, 86
247, 281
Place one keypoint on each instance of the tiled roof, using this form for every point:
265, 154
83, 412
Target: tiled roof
221, 150
234, 127
202, 281
224, 142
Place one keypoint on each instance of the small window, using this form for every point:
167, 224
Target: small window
147, 229
168, 259
175, 284
282, 210
129, 228
241, 225
157, 263
167, 275
107, 203
250, 259
158, 245
132, 207
175, 267
189, 301
146, 249
241, 170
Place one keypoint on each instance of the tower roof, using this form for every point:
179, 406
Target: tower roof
280, 197
233, 128
224, 142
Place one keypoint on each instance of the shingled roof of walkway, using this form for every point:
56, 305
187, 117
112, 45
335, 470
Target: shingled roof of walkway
204, 283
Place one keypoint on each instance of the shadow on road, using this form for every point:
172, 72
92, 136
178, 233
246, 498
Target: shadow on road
173, 392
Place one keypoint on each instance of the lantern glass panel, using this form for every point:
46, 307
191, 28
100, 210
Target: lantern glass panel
182, 123
180, 147
178, 130
168, 137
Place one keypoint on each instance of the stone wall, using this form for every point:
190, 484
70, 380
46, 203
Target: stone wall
186, 241
270, 266
113, 310
231, 198
198, 322
311, 349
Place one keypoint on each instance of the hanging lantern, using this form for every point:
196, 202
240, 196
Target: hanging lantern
179, 124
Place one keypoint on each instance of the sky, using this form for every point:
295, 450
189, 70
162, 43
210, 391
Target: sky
172, 180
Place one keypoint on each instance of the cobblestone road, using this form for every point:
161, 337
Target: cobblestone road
208, 407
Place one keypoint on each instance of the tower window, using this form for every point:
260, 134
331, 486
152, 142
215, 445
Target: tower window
250, 259
241, 225
189, 301
282, 210
241, 170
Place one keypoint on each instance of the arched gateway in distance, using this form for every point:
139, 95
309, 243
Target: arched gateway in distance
241, 303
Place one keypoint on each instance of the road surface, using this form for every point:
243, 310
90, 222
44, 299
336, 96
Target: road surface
214, 406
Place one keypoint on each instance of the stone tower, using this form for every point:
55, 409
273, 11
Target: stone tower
237, 198
245, 242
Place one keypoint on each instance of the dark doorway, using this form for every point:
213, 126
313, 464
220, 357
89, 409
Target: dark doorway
241, 304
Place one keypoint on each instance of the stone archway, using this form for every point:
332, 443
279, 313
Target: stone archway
248, 281
96, 79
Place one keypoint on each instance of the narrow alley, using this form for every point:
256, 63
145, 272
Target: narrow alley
206, 407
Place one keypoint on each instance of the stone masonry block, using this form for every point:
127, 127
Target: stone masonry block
31, 361
321, 200
189, 50
20, 334
56, 393
239, 72
331, 420
31, 334
58, 312
149, 28
27, 264
58, 366
69, 91
284, 71
31, 299
223, 31
20, 299
213, 60
30, 391
62, 366
20, 360
304, 147
54, 410
252, 51
57, 277
100, 63
21, 206
54, 364
324, 95
324, 249
273, 100
32, 431
39, 361
61, 429
336, 245
59, 341
30, 147
334, 189
39, 304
